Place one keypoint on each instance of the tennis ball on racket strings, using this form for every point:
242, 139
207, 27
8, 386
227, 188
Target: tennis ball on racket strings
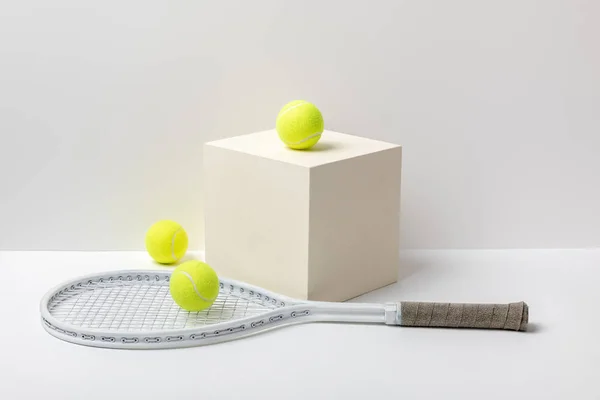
299, 124
194, 285
166, 241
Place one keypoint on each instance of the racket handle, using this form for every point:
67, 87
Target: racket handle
513, 316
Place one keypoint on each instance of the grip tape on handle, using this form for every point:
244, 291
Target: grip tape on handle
513, 316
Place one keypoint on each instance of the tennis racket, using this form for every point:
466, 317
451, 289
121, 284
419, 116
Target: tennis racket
134, 310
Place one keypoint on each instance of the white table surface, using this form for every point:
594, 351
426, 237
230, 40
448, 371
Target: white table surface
558, 359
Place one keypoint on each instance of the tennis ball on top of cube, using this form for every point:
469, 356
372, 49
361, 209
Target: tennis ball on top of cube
166, 242
300, 125
194, 285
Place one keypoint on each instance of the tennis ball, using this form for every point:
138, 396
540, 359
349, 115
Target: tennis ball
166, 241
194, 285
300, 124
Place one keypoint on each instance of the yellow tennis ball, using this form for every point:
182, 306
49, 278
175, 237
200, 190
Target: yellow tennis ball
194, 285
300, 124
166, 242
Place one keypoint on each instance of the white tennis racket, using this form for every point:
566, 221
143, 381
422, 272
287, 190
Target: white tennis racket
134, 310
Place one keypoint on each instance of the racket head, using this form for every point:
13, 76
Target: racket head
134, 309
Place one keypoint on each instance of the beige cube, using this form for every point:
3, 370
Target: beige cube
321, 224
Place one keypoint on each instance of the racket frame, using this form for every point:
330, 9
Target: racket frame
289, 312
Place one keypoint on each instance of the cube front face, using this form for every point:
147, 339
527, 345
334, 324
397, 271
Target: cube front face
354, 226
324, 231
256, 220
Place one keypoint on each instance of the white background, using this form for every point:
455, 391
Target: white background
104, 107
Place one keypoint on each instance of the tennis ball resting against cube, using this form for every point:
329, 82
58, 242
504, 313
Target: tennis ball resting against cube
166, 242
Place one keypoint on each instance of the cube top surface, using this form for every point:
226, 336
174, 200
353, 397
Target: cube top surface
332, 147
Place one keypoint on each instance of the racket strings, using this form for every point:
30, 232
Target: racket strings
135, 305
